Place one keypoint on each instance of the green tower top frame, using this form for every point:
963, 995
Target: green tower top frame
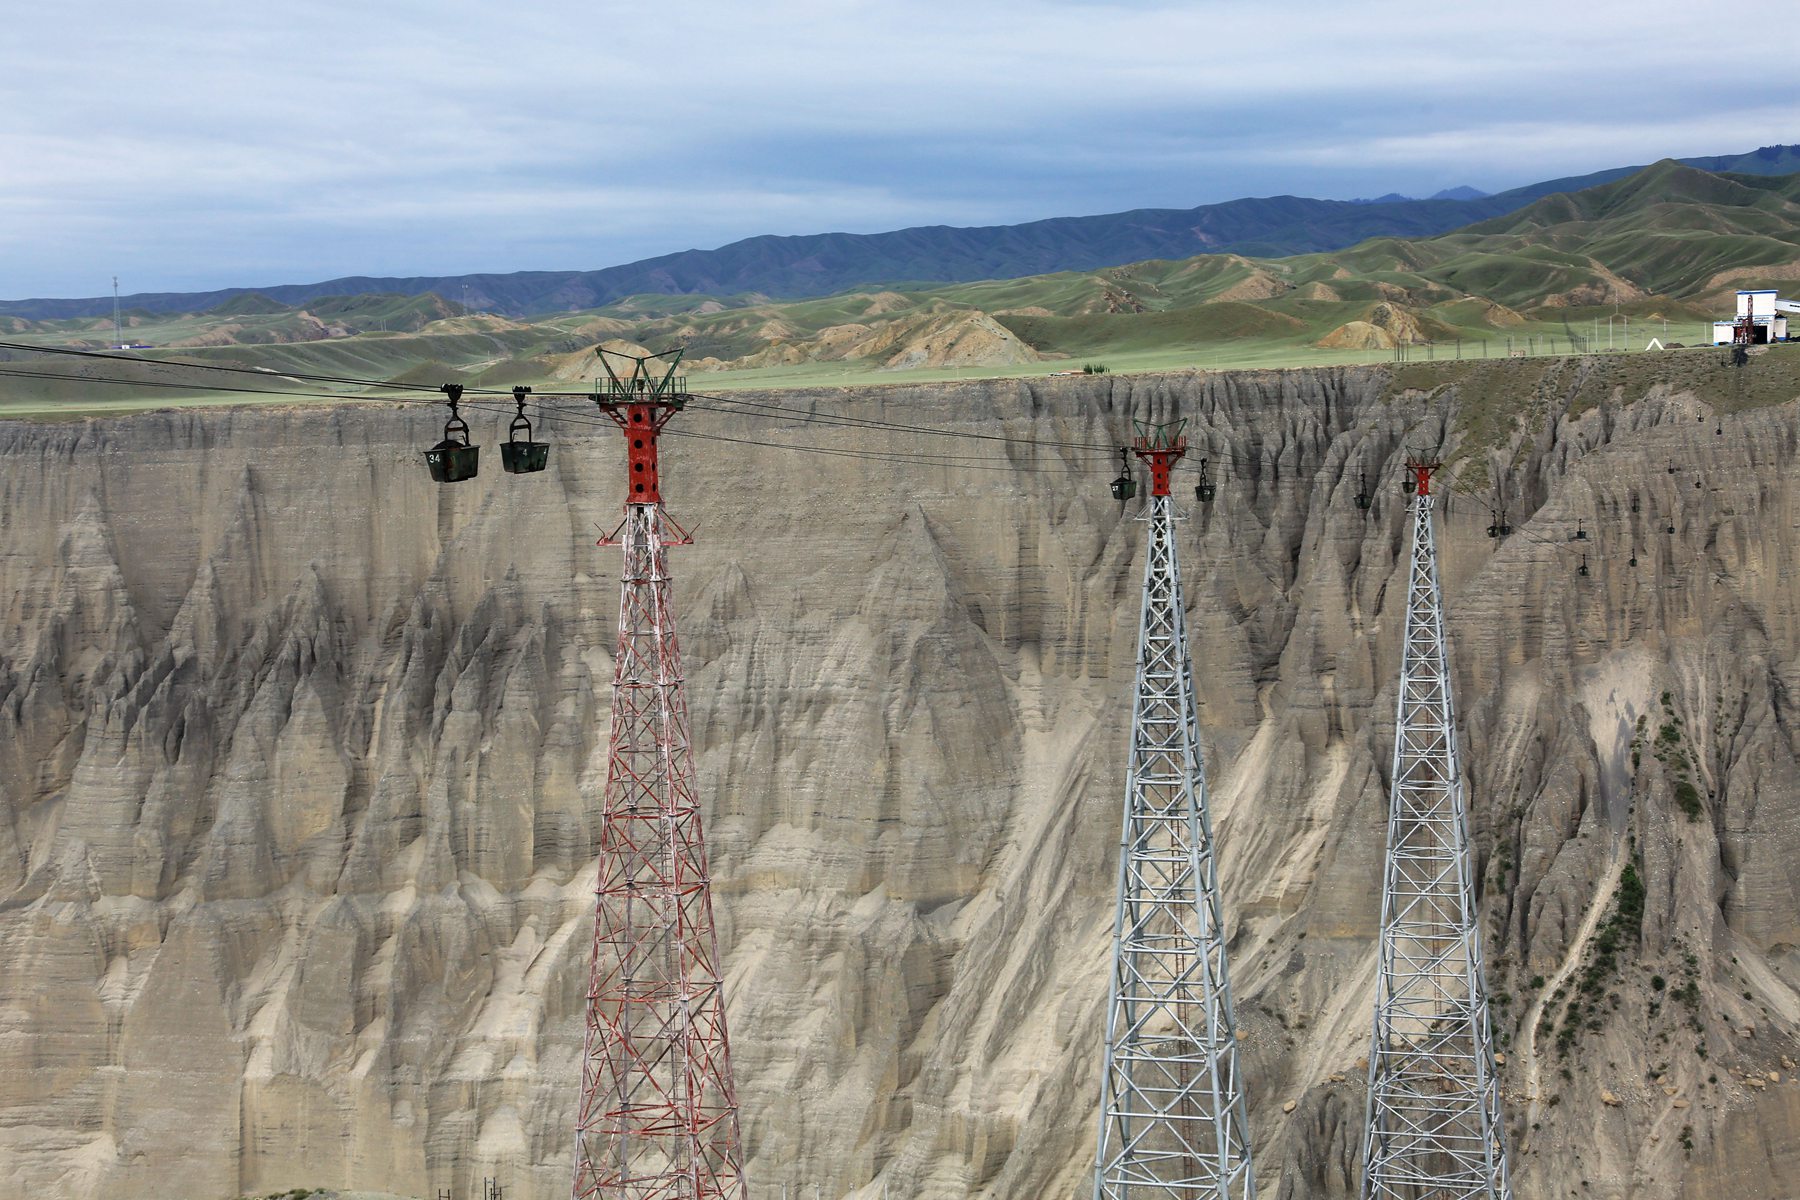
640, 383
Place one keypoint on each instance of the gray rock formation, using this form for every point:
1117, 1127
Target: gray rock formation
300, 755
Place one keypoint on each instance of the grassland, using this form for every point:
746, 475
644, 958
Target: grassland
1657, 254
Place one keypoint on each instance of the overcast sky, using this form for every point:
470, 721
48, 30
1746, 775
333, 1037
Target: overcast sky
198, 144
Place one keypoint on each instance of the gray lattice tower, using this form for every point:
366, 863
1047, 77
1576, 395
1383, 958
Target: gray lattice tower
1433, 1130
1172, 1121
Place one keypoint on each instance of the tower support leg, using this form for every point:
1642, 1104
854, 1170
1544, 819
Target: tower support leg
1172, 1120
658, 1116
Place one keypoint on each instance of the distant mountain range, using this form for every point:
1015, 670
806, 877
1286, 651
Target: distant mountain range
1465, 192
827, 263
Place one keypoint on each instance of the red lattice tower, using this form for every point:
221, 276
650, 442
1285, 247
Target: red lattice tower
658, 1118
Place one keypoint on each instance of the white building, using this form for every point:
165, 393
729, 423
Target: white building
1768, 315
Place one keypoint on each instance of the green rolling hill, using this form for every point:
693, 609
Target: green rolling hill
1667, 246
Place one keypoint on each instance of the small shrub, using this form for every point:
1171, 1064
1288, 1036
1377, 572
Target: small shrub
1688, 798
1631, 897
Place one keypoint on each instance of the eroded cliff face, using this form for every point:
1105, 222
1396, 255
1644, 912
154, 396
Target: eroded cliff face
300, 756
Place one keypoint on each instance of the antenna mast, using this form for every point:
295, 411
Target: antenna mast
658, 1117
1172, 1120
118, 326
1433, 1129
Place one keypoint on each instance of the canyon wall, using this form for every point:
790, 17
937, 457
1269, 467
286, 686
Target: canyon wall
301, 755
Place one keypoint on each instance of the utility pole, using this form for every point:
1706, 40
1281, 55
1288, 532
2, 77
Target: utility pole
1172, 1117
118, 325
658, 1118
1433, 1130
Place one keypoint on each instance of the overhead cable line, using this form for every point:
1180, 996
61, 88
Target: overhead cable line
919, 458
870, 423
742, 406
257, 372
169, 385
732, 405
902, 457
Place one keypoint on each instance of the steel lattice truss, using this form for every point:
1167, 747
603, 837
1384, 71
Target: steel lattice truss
1172, 1120
1433, 1126
658, 1116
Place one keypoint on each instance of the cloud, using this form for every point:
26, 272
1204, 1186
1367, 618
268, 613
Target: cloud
209, 144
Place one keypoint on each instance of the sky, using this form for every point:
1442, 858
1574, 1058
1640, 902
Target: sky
197, 145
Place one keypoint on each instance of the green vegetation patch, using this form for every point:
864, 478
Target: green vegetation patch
1671, 749
1621, 929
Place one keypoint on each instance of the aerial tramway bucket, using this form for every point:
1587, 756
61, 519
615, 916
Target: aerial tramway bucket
1124, 487
454, 459
522, 457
